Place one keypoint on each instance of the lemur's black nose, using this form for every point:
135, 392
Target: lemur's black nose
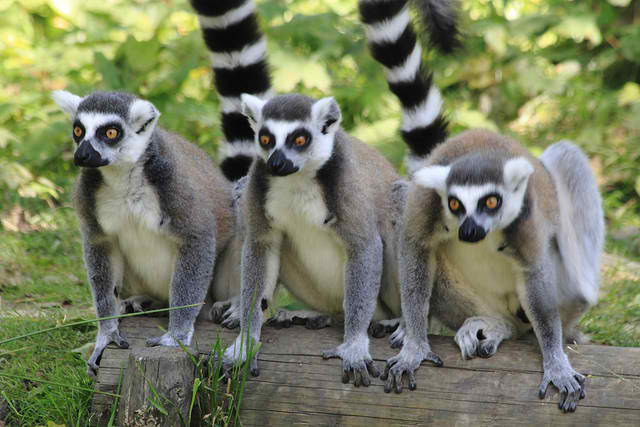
279, 164
470, 231
86, 156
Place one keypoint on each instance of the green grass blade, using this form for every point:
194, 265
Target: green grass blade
84, 322
37, 380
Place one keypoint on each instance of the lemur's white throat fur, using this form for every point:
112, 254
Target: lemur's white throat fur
493, 241
157, 218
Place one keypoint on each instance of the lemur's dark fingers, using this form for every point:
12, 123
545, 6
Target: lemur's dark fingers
253, 366
385, 373
542, 392
432, 357
412, 380
388, 385
371, 367
330, 354
397, 378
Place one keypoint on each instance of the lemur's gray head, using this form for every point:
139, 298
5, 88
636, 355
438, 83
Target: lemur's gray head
480, 193
108, 127
293, 132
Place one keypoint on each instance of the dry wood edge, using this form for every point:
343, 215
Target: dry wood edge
502, 388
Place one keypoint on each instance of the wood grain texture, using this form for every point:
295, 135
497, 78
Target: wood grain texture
297, 387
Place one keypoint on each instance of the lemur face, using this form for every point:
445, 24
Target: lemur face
109, 128
480, 194
294, 133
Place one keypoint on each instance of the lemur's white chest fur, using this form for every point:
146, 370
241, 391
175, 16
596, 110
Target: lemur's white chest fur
310, 248
128, 211
489, 273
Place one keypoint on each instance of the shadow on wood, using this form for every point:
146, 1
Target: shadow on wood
296, 386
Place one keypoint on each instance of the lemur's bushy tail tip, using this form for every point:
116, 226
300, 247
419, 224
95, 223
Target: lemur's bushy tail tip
238, 52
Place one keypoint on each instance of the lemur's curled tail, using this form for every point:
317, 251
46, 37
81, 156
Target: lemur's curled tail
238, 57
394, 44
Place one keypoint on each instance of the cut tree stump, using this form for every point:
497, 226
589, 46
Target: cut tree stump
296, 386
170, 372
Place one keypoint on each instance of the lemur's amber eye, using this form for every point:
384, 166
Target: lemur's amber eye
301, 140
77, 131
491, 202
454, 205
111, 133
264, 139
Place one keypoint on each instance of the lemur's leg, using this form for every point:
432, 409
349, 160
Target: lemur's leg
191, 280
363, 272
417, 269
309, 318
540, 302
105, 267
260, 267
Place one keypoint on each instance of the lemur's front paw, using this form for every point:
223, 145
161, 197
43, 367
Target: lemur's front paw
102, 340
135, 304
357, 364
405, 364
226, 313
478, 336
171, 339
569, 383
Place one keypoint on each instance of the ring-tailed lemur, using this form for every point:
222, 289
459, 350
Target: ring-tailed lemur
299, 207
496, 242
157, 217
238, 56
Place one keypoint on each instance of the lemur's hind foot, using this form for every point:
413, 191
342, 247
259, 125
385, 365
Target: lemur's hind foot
310, 319
226, 313
137, 304
382, 328
481, 336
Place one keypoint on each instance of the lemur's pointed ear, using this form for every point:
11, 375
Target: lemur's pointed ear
67, 101
252, 109
516, 172
326, 111
143, 116
433, 177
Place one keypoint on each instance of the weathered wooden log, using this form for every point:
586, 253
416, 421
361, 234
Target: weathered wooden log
296, 386
156, 376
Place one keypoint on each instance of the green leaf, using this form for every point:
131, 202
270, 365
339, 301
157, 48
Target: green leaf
142, 56
110, 73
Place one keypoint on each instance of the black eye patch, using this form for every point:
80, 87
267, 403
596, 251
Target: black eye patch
267, 139
455, 206
490, 204
299, 139
78, 125
105, 133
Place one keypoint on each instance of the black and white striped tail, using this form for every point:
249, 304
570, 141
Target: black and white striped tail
393, 42
238, 57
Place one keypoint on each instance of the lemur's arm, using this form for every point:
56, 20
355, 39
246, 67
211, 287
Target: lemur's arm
539, 299
363, 272
416, 265
104, 269
191, 280
260, 267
